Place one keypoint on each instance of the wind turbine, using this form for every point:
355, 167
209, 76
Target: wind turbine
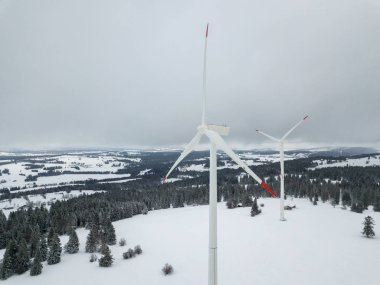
281, 143
214, 133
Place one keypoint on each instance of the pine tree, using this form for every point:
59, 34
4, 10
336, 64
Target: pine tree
36, 267
167, 269
376, 206
315, 200
368, 227
106, 260
34, 241
50, 236
55, 251
9, 260
231, 204
255, 208
22, 259
43, 247
3, 237
109, 236
3, 224
103, 248
247, 200
92, 241
138, 249
73, 244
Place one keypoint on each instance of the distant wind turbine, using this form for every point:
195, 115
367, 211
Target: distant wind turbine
281, 142
214, 133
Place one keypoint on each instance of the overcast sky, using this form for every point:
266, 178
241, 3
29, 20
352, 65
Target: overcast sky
123, 73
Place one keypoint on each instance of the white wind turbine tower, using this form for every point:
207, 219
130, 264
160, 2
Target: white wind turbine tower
214, 133
281, 143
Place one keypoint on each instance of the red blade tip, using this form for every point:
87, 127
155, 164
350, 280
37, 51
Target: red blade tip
207, 31
268, 189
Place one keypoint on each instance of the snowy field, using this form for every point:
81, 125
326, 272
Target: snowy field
361, 162
80, 167
38, 200
101, 166
249, 158
316, 245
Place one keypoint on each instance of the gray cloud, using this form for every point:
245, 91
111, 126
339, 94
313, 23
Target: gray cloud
129, 73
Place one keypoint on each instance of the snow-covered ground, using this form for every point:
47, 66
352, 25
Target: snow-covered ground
362, 162
105, 165
38, 200
316, 245
101, 166
249, 158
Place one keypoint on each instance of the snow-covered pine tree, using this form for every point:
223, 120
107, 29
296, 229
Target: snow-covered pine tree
43, 248
36, 267
72, 245
376, 206
315, 200
255, 208
106, 260
34, 241
357, 207
50, 236
3, 237
130, 253
167, 269
9, 260
122, 242
55, 250
247, 200
92, 240
3, 223
109, 232
103, 248
138, 249
368, 227
93, 257
22, 259
231, 204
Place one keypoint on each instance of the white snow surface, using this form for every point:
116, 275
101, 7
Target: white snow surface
316, 245
143, 172
67, 162
362, 162
249, 158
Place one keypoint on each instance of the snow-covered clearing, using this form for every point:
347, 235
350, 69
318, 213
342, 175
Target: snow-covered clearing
362, 162
316, 245
38, 200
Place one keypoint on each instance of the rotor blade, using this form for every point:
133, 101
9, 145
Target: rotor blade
204, 79
221, 144
268, 136
292, 129
189, 148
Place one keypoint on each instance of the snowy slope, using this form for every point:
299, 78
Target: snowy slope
317, 245
362, 162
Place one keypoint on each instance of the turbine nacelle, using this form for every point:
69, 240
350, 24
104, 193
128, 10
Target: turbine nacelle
214, 133
219, 129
